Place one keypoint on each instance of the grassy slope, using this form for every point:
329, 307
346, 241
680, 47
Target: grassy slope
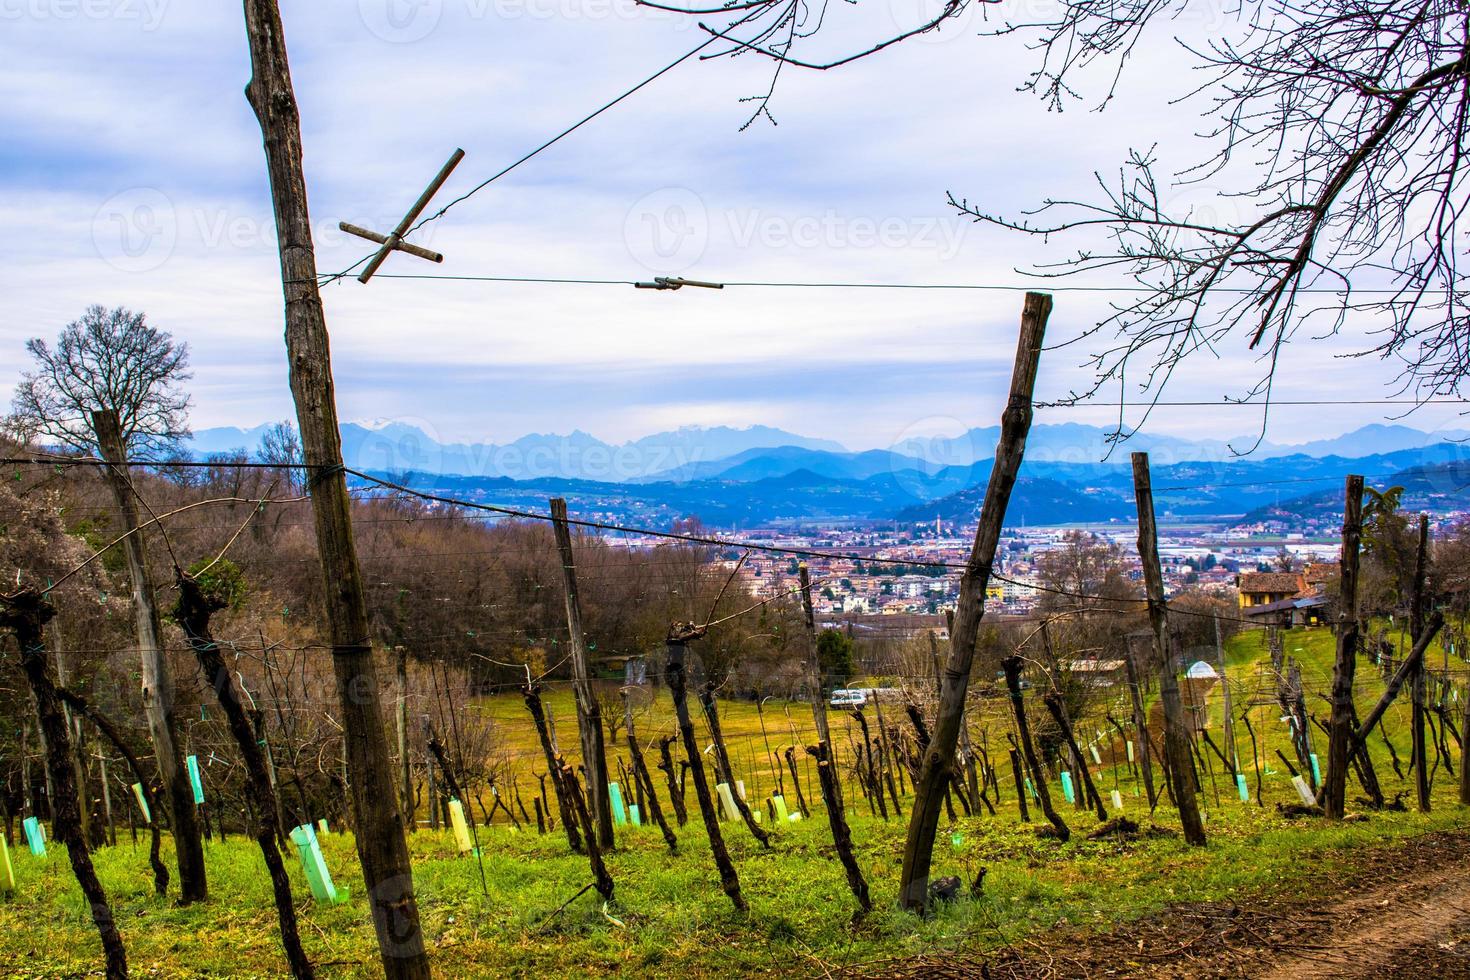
677, 921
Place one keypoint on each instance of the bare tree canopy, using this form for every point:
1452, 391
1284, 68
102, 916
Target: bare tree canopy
1334, 148
108, 359
1335, 142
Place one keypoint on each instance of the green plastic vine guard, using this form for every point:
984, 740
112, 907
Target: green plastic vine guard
318, 878
192, 764
1242, 788
779, 802
615, 798
322, 828
35, 837
7, 871
633, 816
1067, 790
1096, 756
461, 829
142, 802
727, 800
1130, 752
1316, 770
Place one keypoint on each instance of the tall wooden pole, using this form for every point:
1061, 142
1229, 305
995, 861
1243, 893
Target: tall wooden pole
1420, 604
1340, 734
157, 683
589, 713
1176, 735
939, 759
381, 846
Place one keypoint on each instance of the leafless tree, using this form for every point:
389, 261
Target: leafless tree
1335, 144
108, 359
281, 446
1333, 157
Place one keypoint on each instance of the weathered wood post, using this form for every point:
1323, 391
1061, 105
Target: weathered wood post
157, 684
1340, 734
1419, 601
939, 759
1176, 735
381, 846
26, 614
589, 713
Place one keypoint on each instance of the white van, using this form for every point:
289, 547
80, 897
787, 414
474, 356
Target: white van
848, 698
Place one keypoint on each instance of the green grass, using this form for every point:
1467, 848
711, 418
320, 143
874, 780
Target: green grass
677, 922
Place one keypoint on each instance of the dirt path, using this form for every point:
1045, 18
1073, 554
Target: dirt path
1416, 927
1401, 911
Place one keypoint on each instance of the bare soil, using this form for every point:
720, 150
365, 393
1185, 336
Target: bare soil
1399, 911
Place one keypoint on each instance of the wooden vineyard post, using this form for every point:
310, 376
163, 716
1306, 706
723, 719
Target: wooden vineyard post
822, 753
1417, 678
157, 684
939, 759
589, 714
679, 636
193, 613
26, 615
381, 845
1012, 667
1340, 734
1176, 735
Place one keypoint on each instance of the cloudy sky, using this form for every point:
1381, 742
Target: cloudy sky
131, 173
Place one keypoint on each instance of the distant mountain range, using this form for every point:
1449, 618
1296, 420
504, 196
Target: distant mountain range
730, 478
695, 453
